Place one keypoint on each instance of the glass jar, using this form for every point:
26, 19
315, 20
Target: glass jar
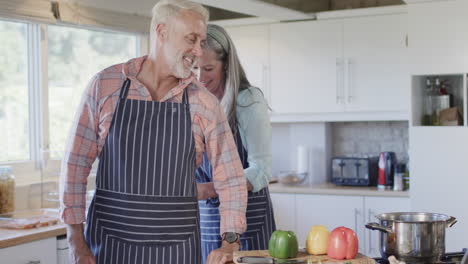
7, 190
398, 184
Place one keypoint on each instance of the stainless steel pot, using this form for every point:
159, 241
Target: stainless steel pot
413, 237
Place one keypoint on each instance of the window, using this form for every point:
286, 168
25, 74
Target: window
75, 55
14, 90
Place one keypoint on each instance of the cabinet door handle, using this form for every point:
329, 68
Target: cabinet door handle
339, 80
370, 215
356, 214
349, 86
34, 262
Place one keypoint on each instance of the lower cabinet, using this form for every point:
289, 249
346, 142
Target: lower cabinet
37, 252
329, 210
284, 210
299, 212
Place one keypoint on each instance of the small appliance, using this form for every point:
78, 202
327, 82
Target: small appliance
387, 164
354, 171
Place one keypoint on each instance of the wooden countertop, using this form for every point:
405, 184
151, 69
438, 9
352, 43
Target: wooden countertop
332, 189
359, 259
13, 237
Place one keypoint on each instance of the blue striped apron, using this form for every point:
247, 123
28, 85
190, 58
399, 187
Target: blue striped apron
145, 208
260, 220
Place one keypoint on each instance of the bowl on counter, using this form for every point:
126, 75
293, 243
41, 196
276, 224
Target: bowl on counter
291, 178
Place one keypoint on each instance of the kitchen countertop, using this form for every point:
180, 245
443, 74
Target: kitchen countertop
13, 237
332, 189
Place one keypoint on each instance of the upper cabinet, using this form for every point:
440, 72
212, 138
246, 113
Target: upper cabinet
252, 45
340, 65
306, 62
438, 37
376, 59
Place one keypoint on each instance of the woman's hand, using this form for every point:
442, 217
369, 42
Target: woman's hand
79, 252
206, 190
249, 186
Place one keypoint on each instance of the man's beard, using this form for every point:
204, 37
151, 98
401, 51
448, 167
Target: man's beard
180, 69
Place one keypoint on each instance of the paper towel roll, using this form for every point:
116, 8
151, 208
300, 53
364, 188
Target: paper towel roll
302, 159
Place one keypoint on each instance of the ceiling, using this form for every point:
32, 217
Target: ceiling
281, 10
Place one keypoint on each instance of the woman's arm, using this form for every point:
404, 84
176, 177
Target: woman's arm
255, 129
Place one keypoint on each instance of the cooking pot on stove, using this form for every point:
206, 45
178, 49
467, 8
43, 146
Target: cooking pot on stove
413, 237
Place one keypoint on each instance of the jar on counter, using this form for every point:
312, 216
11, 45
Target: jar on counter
398, 182
7, 190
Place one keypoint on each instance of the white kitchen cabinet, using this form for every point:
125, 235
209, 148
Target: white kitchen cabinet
374, 206
252, 45
306, 63
437, 37
284, 209
37, 252
438, 178
376, 63
331, 211
340, 66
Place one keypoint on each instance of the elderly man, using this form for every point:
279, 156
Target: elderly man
149, 121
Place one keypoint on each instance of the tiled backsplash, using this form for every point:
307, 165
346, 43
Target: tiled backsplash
350, 138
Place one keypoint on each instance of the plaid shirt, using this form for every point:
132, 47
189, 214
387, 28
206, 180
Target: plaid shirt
210, 130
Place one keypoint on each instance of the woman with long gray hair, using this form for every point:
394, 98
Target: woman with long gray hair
247, 112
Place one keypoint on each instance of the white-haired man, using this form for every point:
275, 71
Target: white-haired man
149, 121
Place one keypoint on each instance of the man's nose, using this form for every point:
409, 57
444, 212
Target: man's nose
197, 50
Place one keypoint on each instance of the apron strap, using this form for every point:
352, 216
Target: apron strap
185, 96
124, 89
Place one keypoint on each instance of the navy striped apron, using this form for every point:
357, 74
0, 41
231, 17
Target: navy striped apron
260, 220
145, 208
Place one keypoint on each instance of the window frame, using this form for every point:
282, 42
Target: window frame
40, 166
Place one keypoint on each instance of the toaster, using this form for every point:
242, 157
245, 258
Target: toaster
354, 171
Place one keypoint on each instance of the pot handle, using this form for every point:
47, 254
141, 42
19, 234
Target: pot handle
451, 221
375, 226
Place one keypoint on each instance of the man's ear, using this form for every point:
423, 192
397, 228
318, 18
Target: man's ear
161, 31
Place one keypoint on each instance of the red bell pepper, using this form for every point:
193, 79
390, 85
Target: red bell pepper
342, 243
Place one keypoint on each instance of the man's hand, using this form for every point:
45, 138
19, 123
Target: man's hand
79, 252
223, 255
206, 190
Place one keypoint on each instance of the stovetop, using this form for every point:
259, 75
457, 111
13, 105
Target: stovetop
448, 258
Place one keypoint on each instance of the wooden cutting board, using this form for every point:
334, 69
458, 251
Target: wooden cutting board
359, 259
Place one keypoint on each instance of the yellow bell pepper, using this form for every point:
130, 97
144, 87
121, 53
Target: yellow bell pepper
317, 240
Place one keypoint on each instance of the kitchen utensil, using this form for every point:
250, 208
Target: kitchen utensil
413, 236
266, 260
465, 258
303, 256
354, 171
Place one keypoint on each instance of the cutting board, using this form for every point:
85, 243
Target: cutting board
359, 259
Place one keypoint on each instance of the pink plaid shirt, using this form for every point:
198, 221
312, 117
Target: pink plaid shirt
210, 130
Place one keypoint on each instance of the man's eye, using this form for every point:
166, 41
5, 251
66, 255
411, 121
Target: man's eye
192, 40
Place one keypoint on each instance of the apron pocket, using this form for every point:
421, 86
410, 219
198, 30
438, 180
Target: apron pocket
147, 220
